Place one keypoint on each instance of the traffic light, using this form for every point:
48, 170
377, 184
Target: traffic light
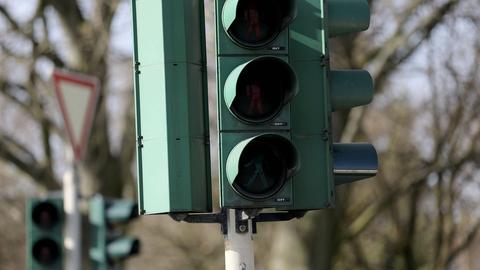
108, 245
326, 164
171, 97
45, 222
276, 94
256, 85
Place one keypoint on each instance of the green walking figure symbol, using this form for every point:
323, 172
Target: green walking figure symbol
258, 171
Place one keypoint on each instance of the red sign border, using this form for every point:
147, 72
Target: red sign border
92, 84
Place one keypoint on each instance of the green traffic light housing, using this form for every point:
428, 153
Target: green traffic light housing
255, 92
255, 24
45, 222
108, 245
258, 167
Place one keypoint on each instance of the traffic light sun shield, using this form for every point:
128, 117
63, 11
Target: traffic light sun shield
353, 162
255, 24
256, 91
347, 16
350, 88
258, 167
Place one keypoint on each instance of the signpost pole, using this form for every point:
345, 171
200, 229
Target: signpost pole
238, 243
73, 229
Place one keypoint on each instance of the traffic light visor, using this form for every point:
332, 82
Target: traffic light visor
256, 23
256, 91
258, 167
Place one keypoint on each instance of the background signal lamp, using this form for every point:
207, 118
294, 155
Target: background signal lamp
45, 233
108, 245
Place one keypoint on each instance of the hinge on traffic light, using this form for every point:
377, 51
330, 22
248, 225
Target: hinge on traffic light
325, 61
136, 66
327, 133
140, 141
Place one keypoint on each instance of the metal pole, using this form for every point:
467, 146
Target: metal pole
73, 230
238, 244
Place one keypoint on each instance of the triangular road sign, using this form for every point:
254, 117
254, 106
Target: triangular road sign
77, 96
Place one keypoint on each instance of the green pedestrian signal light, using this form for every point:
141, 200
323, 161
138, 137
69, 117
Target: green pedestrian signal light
45, 220
276, 95
256, 86
258, 167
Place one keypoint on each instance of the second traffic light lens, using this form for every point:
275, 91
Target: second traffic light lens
263, 87
46, 251
257, 22
45, 215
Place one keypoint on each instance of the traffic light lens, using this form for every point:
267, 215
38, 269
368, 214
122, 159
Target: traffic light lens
46, 251
257, 23
263, 87
45, 215
262, 170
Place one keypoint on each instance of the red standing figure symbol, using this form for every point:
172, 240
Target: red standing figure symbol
254, 92
252, 17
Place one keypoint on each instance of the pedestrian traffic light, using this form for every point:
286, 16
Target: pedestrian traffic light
108, 245
256, 84
276, 93
45, 222
173, 159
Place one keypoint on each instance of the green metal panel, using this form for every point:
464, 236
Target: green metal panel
307, 33
98, 233
36, 233
313, 186
228, 196
171, 107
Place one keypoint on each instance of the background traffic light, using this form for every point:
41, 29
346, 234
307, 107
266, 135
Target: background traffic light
45, 222
108, 245
173, 159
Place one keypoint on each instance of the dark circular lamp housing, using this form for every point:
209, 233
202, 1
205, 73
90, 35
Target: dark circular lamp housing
45, 215
254, 24
46, 251
256, 91
259, 167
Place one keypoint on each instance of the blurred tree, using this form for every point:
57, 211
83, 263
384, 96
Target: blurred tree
389, 222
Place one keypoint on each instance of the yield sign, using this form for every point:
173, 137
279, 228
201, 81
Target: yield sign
77, 96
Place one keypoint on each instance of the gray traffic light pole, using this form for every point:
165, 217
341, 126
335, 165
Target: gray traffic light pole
73, 230
238, 242
238, 226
